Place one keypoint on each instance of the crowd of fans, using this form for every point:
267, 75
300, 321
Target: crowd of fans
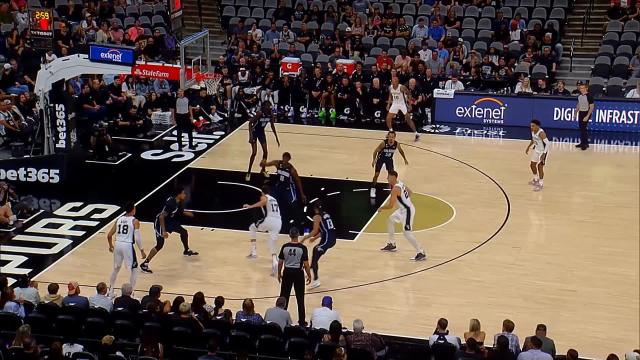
75, 26
325, 331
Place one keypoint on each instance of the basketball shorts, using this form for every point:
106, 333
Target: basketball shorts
386, 161
258, 135
404, 216
327, 241
123, 252
270, 225
398, 107
536, 156
170, 226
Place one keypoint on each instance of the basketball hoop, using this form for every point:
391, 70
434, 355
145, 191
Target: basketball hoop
210, 80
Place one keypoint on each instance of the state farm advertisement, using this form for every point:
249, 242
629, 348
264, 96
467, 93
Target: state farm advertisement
157, 71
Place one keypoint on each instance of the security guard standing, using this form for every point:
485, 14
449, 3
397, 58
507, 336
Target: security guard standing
292, 259
182, 113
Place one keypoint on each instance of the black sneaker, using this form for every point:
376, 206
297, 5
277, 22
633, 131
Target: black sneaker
579, 145
145, 268
420, 257
189, 253
389, 247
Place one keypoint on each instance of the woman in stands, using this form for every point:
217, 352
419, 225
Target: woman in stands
501, 350
335, 335
175, 305
9, 303
475, 332
199, 306
249, 314
524, 87
22, 334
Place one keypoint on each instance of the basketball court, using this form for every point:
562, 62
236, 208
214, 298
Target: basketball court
567, 256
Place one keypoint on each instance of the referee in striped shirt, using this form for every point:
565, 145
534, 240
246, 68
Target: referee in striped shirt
292, 259
183, 118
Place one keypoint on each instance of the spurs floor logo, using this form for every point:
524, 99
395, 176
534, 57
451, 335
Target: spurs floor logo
200, 142
437, 129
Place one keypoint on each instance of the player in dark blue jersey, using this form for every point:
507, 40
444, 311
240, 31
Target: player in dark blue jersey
168, 221
324, 229
257, 126
287, 190
383, 155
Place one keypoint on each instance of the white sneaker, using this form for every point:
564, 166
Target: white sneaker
274, 267
533, 182
252, 255
314, 284
372, 193
537, 187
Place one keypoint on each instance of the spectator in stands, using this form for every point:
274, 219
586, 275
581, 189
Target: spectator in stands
62, 39
524, 87
52, 295
516, 35
475, 332
219, 312
74, 298
272, 34
436, 63
71, 347
23, 333
572, 354
108, 348
441, 335
541, 87
633, 11
387, 29
287, 35
322, 317
420, 30
100, 299
507, 325
635, 92
199, 306
129, 87
248, 313
151, 346
256, 34
454, 84
212, 350
89, 27
535, 352
153, 298
334, 336
549, 61
634, 64
27, 290
472, 351
282, 11
501, 350
560, 89
615, 12
9, 83
89, 107
548, 346
55, 352
547, 41
103, 35
9, 303
278, 314
175, 305
436, 32
116, 33
187, 319
366, 341
125, 301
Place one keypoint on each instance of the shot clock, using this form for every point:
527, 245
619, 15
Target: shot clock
41, 27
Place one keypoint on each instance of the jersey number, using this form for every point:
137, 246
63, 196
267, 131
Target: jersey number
406, 193
330, 224
123, 229
274, 207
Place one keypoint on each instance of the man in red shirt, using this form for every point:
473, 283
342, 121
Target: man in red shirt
384, 59
135, 31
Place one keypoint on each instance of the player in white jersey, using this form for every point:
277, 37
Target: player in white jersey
404, 214
271, 223
127, 231
540, 144
398, 101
